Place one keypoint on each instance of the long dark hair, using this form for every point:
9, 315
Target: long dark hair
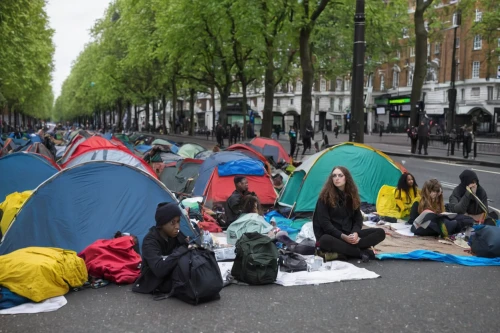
249, 203
329, 193
403, 186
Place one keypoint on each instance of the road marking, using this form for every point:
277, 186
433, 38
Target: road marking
449, 185
446, 163
495, 172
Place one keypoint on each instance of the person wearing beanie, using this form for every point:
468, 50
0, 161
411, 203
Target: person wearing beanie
161, 249
463, 202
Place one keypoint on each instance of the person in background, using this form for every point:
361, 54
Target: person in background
423, 133
163, 245
337, 220
336, 130
468, 139
413, 135
463, 202
235, 200
278, 182
431, 198
406, 193
292, 136
307, 137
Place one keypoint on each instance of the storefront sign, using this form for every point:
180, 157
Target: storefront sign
399, 101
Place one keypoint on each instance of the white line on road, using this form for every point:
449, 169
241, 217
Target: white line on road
495, 172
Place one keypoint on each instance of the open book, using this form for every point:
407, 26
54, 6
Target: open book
425, 218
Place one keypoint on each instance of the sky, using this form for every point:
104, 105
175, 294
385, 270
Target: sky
71, 20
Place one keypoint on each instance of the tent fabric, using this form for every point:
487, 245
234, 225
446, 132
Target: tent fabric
88, 202
204, 155
23, 171
244, 167
44, 272
143, 148
13, 202
262, 142
370, 168
220, 188
251, 152
101, 149
176, 177
39, 148
190, 150
72, 146
441, 257
209, 165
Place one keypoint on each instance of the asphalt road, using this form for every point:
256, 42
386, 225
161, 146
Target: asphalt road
408, 297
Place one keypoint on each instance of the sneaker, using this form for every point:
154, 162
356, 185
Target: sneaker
367, 255
329, 256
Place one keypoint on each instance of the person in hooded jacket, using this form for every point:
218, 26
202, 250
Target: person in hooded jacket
463, 202
161, 249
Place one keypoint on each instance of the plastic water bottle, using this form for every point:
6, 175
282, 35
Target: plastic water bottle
207, 240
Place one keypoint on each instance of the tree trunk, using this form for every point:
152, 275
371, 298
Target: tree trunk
213, 108
269, 83
420, 59
103, 114
155, 106
307, 78
191, 111
174, 104
129, 116
224, 96
10, 116
15, 119
164, 109
146, 122
244, 109
119, 105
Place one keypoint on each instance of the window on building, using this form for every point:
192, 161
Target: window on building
369, 82
478, 42
382, 83
405, 33
426, 25
395, 79
479, 16
410, 78
398, 54
458, 71
475, 69
278, 102
298, 87
457, 42
454, 19
332, 103
341, 104
291, 101
412, 51
322, 85
428, 49
436, 48
462, 94
475, 92
339, 84
498, 92
498, 42
490, 93
347, 85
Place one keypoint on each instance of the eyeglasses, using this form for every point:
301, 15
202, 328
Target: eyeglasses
335, 175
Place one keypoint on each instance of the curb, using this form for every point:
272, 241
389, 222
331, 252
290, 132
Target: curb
445, 158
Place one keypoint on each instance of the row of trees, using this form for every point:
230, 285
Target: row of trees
26, 60
147, 51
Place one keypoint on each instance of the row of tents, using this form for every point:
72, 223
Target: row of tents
104, 184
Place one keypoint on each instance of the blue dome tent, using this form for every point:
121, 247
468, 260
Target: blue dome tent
88, 202
23, 171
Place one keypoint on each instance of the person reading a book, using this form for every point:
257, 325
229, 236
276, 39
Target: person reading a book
406, 193
337, 220
426, 215
469, 197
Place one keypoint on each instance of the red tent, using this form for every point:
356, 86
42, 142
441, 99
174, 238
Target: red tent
99, 148
262, 142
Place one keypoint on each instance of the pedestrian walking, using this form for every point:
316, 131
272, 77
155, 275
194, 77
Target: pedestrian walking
413, 135
292, 136
336, 130
468, 138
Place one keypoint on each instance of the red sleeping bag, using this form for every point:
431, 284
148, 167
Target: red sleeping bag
209, 226
114, 260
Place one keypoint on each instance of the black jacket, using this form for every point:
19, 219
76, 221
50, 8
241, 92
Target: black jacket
461, 201
159, 258
336, 221
233, 210
423, 131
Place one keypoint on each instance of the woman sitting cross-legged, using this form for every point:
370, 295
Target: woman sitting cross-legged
337, 220
432, 199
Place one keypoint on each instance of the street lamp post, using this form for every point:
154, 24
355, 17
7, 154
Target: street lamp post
357, 122
452, 92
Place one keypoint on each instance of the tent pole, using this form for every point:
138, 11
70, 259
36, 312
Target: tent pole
291, 211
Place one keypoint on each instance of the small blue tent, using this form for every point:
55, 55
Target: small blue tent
23, 171
209, 165
88, 202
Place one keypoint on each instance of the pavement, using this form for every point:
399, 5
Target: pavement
408, 297
391, 144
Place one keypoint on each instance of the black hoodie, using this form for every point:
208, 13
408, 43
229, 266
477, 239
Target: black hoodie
159, 258
461, 201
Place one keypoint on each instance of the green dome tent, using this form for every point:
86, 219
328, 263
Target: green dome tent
369, 167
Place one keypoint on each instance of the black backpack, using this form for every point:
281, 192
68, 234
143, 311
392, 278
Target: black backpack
292, 262
256, 259
197, 277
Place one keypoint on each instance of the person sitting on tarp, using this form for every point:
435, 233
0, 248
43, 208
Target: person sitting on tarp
337, 220
470, 198
161, 249
406, 193
234, 202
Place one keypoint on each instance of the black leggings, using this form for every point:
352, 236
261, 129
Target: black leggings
369, 237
